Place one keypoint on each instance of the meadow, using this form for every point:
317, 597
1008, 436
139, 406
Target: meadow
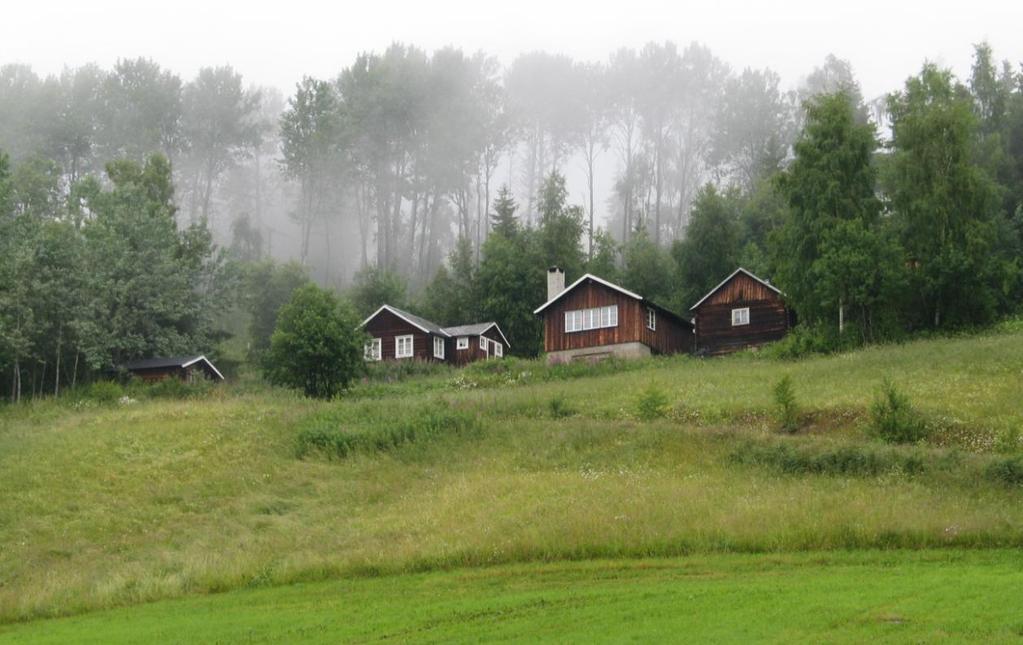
506, 474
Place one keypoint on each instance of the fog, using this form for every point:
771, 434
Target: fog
393, 156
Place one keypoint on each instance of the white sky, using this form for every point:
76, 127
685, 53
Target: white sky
275, 43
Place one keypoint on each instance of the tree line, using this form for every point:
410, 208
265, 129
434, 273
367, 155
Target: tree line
397, 159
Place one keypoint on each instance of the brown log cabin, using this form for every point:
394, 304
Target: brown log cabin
185, 368
592, 319
399, 335
743, 311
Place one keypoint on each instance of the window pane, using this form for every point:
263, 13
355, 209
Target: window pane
614, 316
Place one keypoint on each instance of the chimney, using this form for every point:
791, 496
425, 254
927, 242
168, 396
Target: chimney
555, 282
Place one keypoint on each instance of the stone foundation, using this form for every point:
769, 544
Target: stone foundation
600, 352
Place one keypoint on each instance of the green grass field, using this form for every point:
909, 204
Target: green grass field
835, 597
467, 500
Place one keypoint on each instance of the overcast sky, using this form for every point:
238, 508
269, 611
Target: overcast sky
275, 43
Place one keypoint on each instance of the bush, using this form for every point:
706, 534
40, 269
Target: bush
1006, 471
105, 392
559, 408
845, 460
785, 400
652, 404
892, 417
391, 371
316, 346
325, 433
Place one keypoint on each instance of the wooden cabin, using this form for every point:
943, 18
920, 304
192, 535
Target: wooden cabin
186, 368
399, 335
743, 311
592, 319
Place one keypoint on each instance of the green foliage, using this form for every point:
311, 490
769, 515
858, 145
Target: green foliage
652, 404
785, 402
452, 297
893, 418
103, 392
647, 268
394, 371
849, 460
559, 408
603, 262
315, 347
503, 220
561, 228
945, 205
374, 287
175, 388
710, 250
511, 278
268, 287
325, 433
1007, 471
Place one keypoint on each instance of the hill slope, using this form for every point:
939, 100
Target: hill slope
115, 505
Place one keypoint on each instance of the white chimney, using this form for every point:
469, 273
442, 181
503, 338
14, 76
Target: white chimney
555, 282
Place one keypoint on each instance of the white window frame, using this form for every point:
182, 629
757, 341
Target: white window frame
593, 318
651, 319
373, 349
462, 342
401, 340
740, 316
483, 343
498, 349
437, 345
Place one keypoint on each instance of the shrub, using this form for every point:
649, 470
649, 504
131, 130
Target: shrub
315, 347
785, 400
1006, 471
174, 388
892, 417
844, 460
559, 408
106, 392
652, 404
326, 434
391, 371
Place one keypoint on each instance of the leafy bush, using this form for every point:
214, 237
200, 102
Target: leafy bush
105, 392
391, 371
785, 400
1007, 471
652, 404
892, 417
325, 433
844, 460
559, 408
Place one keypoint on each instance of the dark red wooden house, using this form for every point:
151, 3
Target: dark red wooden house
593, 319
399, 335
186, 368
743, 311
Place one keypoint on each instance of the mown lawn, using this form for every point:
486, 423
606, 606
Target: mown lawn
107, 506
812, 597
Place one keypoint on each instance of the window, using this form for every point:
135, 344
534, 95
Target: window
403, 346
498, 350
651, 319
462, 342
596, 318
483, 343
438, 347
371, 351
740, 316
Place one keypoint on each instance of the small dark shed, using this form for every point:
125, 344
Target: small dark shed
186, 368
743, 311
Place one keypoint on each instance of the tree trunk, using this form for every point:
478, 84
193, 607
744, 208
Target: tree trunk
56, 378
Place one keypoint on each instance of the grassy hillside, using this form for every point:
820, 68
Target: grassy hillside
107, 505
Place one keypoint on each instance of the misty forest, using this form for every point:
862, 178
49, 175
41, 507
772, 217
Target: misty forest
144, 214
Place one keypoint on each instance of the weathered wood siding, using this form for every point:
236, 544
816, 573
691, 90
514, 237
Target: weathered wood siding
768, 317
386, 326
671, 335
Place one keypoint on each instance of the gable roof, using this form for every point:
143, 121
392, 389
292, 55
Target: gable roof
477, 329
735, 273
172, 361
412, 319
588, 276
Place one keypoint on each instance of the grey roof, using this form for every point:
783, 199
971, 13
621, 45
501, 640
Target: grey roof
476, 329
422, 323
